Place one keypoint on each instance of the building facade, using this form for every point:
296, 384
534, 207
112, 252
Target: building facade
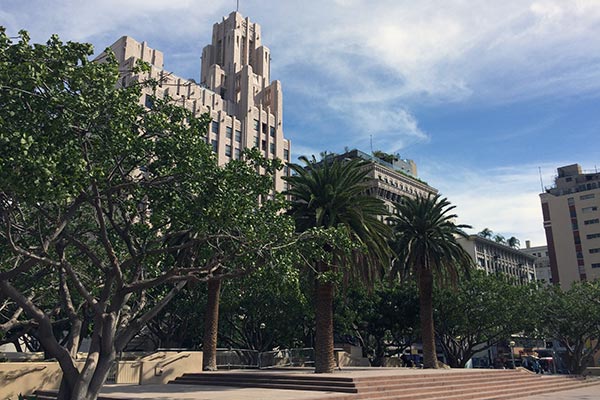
542, 261
235, 89
390, 181
572, 224
493, 258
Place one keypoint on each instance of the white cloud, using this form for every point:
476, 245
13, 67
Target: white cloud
505, 200
386, 58
83, 20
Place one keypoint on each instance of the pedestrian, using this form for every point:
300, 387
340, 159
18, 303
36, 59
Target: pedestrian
536, 365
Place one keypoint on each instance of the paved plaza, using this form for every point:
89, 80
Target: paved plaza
205, 392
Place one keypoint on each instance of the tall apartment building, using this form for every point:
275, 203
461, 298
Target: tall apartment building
236, 89
572, 223
493, 257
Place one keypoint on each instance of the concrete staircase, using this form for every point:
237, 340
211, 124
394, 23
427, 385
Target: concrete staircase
387, 384
271, 380
425, 385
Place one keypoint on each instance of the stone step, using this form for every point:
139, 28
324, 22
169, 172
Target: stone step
496, 392
271, 376
275, 385
282, 379
483, 373
447, 381
399, 389
311, 382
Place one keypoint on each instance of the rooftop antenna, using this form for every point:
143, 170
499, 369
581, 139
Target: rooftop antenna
371, 144
541, 181
237, 8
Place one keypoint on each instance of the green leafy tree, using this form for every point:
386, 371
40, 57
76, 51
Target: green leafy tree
263, 229
481, 312
573, 317
259, 311
331, 195
425, 242
180, 324
385, 319
108, 200
265, 310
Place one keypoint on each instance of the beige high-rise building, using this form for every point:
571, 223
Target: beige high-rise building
572, 223
236, 89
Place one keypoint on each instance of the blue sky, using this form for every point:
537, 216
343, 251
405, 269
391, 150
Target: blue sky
481, 94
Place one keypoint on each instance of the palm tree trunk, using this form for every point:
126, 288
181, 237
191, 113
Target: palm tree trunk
324, 360
426, 314
211, 326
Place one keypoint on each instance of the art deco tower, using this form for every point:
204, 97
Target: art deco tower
246, 107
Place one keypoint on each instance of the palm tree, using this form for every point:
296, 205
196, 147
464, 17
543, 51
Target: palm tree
425, 243
332, 194
486, 233
498, 238
513, 242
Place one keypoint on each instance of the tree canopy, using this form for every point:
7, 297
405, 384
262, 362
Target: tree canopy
481, 312
103, 200
572, 317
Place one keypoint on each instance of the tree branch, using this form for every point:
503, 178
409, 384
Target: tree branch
123, 337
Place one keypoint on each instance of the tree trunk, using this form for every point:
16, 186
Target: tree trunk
324, 360
211, 326
426, 314
87, 386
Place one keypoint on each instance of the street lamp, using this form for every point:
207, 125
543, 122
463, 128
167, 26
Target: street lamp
511, 344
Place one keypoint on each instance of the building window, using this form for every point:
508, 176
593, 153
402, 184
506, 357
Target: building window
570, 201
215, 127
591, 221
228, 132
272, 148
586, 197
272, 131
572, 212
286, 154
264, 145
148, 101
593, 236
228, 150
264, 128
586, 210
238, 154
215, 145
256, 141
238, 136
596, 265
595, 251
256, 125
